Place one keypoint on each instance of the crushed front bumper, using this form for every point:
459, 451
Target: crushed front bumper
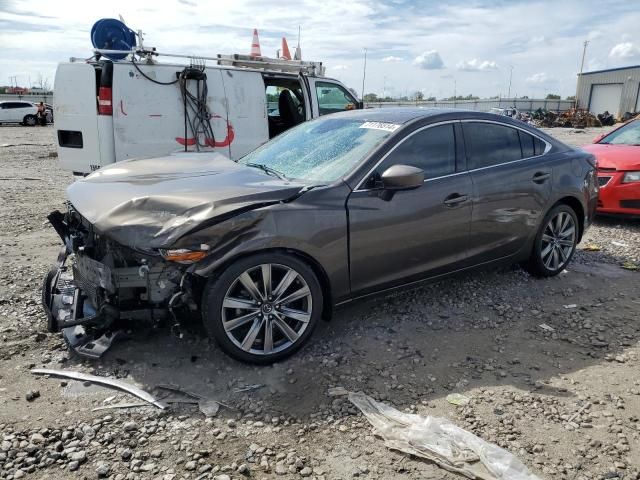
67, 311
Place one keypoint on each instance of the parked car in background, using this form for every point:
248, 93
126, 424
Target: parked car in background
21, 112
49, 108
336, 208
618, 156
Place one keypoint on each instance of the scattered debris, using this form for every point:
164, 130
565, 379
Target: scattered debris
120, 405
606, 119
32, 395
570, 306
546, 327
591, 247
337, 392
582, 409
442, 442
570, 119
177, 389
618, 244
631, 266
105, 381
208, 407
248, 388
457, 399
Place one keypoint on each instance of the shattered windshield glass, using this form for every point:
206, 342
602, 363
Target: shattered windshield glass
320, 151
627, 135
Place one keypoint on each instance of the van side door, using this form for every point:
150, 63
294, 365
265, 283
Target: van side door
330, 97
248, 127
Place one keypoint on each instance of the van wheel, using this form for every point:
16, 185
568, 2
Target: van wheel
555, 242
30, 120
262, 308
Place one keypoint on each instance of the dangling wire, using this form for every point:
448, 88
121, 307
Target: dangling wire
197, 114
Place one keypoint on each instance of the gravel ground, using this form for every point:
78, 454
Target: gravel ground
550, 368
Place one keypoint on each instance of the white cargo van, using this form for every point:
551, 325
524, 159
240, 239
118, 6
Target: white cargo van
107, 111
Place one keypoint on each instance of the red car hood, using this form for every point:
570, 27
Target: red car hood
620, 157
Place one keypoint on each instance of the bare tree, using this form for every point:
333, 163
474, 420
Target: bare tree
43, 83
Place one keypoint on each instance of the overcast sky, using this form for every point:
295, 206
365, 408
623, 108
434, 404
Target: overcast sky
412, 45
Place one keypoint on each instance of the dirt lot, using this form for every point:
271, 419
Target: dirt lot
563, 397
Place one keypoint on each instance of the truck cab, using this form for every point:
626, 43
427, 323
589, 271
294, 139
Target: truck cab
107, 111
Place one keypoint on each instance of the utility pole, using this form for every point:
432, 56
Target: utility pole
584, 53
455, 87
384, 87
510, 77
364, 72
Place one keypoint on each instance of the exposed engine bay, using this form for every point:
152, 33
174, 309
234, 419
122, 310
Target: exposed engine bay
98, 285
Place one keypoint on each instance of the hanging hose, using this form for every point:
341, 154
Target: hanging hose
196, 111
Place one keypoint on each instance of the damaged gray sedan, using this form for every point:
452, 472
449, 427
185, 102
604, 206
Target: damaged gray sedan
334, 209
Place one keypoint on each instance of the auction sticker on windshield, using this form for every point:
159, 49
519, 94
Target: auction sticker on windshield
389, 127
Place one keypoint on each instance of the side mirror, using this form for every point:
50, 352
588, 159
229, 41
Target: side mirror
402, 177
598, 138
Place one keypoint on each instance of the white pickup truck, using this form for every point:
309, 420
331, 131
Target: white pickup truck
107, 111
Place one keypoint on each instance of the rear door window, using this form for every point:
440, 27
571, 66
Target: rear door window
333, 98
432, 150
489, 144
527, 144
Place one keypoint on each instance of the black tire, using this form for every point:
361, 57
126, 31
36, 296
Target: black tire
542, 262
229, 285
30, 120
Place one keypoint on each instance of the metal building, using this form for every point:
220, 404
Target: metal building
616, 90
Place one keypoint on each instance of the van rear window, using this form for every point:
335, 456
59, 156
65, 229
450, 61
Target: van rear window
70, 139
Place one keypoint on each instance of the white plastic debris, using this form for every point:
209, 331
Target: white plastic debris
457, 399
442, 442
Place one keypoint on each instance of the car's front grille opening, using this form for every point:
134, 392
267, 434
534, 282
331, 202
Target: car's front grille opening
630, 204
602, 181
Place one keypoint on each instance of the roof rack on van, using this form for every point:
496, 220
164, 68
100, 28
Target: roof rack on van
266, 63
234, 60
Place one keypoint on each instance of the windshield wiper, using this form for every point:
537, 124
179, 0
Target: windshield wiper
267, 170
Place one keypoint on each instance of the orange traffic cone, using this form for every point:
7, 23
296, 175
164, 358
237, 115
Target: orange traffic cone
286, 55
255, 45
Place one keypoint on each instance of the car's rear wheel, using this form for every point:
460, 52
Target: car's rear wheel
30, 120
555, 242
262, 308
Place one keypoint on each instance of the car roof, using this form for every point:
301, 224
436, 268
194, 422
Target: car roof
404, 115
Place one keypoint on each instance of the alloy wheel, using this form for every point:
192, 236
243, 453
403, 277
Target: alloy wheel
266, 309
558, 241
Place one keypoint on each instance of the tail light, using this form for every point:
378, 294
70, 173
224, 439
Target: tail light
105, 106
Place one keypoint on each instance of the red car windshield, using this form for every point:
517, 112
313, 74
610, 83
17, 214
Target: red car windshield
626, 135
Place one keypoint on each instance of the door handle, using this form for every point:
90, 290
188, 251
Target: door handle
541, 177
454, 199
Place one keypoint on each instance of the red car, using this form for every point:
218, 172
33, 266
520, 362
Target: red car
618, 155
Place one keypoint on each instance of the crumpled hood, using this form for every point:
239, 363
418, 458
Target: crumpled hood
151, 203
620, 157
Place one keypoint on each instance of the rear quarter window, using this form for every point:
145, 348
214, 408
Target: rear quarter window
489, 144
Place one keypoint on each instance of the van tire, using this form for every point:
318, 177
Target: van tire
30, 120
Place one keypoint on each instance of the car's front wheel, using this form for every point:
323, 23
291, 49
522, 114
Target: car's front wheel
555, 242
29, 120
262, 308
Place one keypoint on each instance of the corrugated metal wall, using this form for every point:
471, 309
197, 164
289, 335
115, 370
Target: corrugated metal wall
628, 77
